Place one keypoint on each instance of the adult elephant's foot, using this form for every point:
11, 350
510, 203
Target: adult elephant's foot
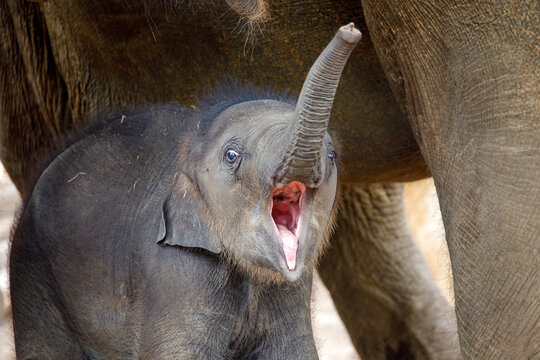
380, 282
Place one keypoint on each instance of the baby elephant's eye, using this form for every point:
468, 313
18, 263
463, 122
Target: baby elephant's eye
231, 155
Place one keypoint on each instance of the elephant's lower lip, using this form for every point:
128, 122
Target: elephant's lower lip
286, 211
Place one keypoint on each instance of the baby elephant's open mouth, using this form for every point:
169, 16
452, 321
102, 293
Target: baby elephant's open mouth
286, 211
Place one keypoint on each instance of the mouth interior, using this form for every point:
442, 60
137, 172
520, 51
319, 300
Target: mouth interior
286, 213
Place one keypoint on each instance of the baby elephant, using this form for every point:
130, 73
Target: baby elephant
174, 233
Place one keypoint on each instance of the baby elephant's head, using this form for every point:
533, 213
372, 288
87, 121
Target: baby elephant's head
263, 187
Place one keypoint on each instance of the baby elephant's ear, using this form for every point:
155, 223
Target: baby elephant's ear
182, 222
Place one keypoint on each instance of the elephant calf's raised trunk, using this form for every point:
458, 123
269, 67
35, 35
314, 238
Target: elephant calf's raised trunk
302, 158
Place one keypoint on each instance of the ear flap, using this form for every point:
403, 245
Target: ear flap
182, 223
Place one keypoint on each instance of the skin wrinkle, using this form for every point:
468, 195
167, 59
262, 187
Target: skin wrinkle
312, 111
381, 284
469, 113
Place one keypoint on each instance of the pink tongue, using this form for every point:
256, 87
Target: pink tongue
290, 245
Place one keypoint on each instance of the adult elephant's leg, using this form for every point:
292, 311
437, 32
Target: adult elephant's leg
33, 111
468, 79
380, 282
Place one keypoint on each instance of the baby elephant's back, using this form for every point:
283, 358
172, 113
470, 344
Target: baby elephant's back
78, 249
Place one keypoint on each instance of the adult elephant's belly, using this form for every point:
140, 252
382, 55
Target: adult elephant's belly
118, 55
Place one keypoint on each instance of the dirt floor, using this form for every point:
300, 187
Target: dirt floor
333, 341
9, 201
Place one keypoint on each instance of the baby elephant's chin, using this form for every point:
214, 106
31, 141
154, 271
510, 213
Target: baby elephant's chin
275, 266
264, 261
261, 273
294, 275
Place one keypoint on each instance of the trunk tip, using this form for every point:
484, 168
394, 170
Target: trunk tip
349, 33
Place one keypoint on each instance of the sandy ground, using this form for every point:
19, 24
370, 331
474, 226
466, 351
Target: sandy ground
9, 201
332, 339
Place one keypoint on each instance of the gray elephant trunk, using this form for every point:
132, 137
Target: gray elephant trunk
302, 159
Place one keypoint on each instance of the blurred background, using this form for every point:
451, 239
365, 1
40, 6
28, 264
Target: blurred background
423, 215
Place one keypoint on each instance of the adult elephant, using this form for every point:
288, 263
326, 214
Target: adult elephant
444, 81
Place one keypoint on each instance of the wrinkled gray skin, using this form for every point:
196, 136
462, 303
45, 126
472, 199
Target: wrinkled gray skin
156, 234
451, 82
